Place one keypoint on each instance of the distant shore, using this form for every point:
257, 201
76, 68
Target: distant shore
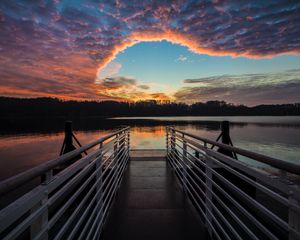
17, 108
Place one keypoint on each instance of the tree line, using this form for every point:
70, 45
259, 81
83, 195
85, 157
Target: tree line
52, 107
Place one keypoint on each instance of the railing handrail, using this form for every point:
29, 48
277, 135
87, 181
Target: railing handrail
11, 183
235, 200
274, 162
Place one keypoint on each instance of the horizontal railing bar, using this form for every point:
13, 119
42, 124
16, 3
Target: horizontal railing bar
72, 198
78, 177
76, 228
75, 212
195, 148
87, 209
215, 209
199, 208
95, 209
243, 167
111, 163
180, 147
69, 176
110, 179
242, 209
257, 185
99, 226
26, 223
264, 189
21, 178
253, 202
69, 171
51, 223
12, 212
235, 217
277, 163
65, 171
119, 173
268, 179
220, 201
78, 208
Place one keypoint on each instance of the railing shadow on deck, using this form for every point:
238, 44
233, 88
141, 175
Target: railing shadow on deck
73, 203
234, 200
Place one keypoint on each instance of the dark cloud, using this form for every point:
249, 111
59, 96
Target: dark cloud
159, 96
39, 37
118, 82
124, 88
248, 89
143, 86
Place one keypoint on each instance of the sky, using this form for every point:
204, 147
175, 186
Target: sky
242, 52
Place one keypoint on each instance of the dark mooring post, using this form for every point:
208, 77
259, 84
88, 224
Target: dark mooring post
68, 136
68, 141
225, 132
225, 138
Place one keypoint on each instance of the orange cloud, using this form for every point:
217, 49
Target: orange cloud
184, 40
58, 49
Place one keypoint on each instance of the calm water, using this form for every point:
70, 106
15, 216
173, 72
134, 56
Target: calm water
273, 136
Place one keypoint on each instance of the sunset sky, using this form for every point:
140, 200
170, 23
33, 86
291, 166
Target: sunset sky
243, 52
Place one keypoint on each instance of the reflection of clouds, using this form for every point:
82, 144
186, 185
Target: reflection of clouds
18, 153
148, 137
56, 48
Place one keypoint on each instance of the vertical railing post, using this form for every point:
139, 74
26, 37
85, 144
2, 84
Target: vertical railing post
208, 191
167, 140
99, 189
42, 221
116, 158
116, 146
128, 141
294, 216
173, 139
184, 160
122, 143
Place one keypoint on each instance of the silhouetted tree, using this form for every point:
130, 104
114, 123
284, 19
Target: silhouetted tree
51, 107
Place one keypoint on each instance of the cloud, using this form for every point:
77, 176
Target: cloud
118, 82
159, 96
110, 70
128, 89
182, 58
70, 43
143, 86
248, 89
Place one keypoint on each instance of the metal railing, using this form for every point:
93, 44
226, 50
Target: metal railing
74, 203
235, 201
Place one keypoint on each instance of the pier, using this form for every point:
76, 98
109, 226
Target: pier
193, 188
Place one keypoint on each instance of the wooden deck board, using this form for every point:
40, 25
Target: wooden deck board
150, 204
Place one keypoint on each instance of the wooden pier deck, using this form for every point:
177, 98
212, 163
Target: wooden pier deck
189, 190
151, 204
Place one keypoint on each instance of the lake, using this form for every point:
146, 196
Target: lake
27, 143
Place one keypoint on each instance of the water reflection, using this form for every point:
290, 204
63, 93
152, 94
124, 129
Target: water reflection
19, 152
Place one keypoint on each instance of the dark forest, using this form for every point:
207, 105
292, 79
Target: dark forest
50, 107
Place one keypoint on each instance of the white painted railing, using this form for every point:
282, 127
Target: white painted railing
72, 204
235, 200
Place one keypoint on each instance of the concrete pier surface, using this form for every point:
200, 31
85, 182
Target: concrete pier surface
150, 203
